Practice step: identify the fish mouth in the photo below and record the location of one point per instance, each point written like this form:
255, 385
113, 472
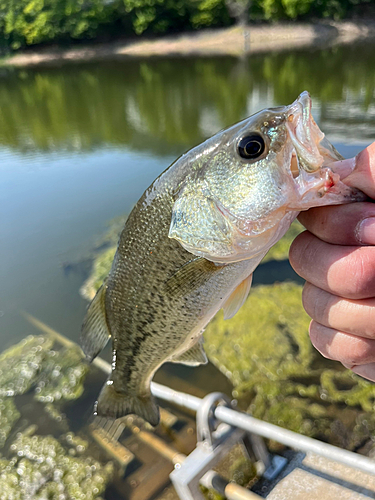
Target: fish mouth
310, 150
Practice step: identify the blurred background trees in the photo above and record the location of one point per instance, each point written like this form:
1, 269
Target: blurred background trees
30, 22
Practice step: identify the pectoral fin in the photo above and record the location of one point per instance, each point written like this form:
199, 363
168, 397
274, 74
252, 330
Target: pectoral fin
237, 298
192, 357
95, 332
190, 276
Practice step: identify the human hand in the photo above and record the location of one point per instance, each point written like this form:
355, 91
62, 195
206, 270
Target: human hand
336, 257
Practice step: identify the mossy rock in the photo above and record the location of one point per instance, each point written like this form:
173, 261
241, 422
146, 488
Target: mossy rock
266, 352
101, 267
43, 467
33, 364
8, 417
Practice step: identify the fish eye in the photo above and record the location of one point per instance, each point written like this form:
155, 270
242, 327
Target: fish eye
251, 147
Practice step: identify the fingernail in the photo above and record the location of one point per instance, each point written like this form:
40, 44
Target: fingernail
366, 231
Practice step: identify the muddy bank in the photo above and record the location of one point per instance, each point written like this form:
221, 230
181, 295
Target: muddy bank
233, 41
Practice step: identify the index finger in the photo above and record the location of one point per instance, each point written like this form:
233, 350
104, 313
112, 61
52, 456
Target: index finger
345, 271
342, 224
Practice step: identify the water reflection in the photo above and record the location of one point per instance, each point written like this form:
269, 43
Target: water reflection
162, 105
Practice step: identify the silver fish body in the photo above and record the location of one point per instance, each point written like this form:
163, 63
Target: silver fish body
192, 241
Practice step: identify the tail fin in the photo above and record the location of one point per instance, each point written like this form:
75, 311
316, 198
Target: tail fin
114, 404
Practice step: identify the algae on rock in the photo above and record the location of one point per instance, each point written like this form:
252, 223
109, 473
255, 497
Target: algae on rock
101, 267
45, 468
266, 352
33, 363
8, 417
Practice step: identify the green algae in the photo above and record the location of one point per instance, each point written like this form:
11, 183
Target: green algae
20, 365
33, 364
101, 266
62, 376
8, 417
43, 467
266, 352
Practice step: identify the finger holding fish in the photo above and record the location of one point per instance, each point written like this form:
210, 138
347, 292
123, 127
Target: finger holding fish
344, 270
339, 293
334, 344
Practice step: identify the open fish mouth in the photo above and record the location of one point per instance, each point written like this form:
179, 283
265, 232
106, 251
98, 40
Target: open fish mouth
310, 150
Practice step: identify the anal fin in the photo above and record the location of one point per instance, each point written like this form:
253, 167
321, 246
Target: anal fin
192, 357
95, 332
237, 298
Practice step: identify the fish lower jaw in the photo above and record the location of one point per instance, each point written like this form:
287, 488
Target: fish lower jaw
321, 189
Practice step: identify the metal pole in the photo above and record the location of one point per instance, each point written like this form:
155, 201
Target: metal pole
269, 431
295, 440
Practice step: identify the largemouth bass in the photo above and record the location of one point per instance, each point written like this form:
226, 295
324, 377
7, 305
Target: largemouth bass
193, 240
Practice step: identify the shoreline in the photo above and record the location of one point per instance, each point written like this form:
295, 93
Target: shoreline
234, 41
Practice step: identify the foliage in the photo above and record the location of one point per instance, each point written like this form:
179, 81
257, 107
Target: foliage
30, 22
292, 9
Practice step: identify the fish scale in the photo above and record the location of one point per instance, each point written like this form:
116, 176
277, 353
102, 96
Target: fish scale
192, 241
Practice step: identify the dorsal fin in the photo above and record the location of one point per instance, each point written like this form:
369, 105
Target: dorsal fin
237, 298
193, 357
95, 332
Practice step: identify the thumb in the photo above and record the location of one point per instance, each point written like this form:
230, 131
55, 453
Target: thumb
360, 170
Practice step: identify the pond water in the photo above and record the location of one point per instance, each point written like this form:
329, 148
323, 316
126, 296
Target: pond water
80, 143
